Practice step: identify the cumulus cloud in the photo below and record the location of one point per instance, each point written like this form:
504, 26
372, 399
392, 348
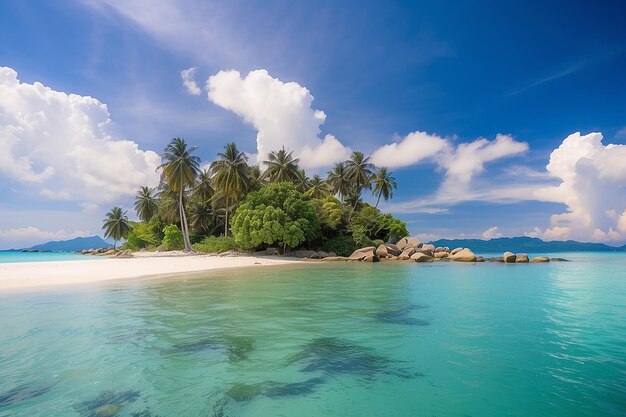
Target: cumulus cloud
189, 81
592, 186
281, 112
491, 233
58, 145
414, 148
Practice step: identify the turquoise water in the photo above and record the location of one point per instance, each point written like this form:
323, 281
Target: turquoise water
394, 339
13, 256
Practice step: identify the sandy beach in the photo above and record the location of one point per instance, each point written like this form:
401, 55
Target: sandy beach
96, 269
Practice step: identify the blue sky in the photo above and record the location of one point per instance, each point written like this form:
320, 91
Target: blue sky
380, 72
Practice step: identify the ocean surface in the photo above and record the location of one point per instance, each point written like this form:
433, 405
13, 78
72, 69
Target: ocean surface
8, 256
393, 339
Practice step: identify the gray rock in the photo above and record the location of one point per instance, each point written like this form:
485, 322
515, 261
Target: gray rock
406, 254
306, 254
371, 258
393, 249
521, 258
381, 251
420, 257
558, 260
509, 257
406, 242
538, 259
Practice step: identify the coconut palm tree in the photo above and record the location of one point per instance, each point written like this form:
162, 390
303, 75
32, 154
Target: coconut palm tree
203, 190
318, 188
302, 181
384, 184
146, 203
338, 180
180, 169
359, 171
230, 177
281, 166
116, 225
201, 215
256, 181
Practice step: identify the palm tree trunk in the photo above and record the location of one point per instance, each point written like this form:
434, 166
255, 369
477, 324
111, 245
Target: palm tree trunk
226, 219
183, 221
378, 199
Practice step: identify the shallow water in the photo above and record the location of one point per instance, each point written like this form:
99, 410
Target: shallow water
16, 256
394, 339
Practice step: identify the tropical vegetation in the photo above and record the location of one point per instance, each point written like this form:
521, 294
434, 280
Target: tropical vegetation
231, 204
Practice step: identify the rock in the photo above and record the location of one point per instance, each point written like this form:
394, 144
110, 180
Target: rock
306, 254
161, 248
322, 254
441, 255
109, 252
558, 260
371, 258
464, 255
124, 254
439, 249
406, 242
406, 254
272, 251
331, 254
366, 249
359, 254
393, 249
381, 251
521, 258
335, 258
427, 252
538, 259
420, 257
107, 410
480, 259
428, 247
509, 257
455, 251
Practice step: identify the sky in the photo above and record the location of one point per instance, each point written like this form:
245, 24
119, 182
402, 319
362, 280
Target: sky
496, 118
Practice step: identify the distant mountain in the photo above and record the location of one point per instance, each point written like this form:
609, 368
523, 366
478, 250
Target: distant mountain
526, 245
78, 243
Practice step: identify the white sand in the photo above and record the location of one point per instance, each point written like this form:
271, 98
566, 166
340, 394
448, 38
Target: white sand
52, 274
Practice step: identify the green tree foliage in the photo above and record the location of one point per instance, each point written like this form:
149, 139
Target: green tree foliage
342, 245
384, 184
173, 238
369, 224
216, 244
318, 188
278, 214
143, 235
116, 225
330, 211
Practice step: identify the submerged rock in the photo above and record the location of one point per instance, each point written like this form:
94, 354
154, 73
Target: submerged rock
558, 260
402, 316
236, 347
107, 404
22, 393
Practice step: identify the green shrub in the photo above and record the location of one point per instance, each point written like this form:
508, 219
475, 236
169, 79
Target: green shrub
342, 245
141, 236
173, 239
214, 244
377, 242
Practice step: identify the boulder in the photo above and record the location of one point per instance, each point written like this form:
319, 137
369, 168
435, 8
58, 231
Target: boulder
366, 249
109, 252
455, 251
428, 246
335, 259
393, 249
331, 254
420, 257
160, 248
381, 251
306, 254
359, 254
509, 257
480, 259
427, 252
464, 255
406, 242
371, 258
323, 254
521, 258
406, 254
440, 255
439, 249
124, 254
538, 259
558, 260
272, 251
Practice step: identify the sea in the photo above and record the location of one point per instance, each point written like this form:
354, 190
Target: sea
325, 339
11, 256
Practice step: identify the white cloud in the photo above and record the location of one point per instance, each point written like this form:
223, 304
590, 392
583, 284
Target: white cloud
593, 187
414, 148
189, 81
491, 233
280, 112
58, 145
30, 235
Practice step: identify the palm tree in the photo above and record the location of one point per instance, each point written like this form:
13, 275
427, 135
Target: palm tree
338, 180
302, 181
201, 215
359, 171
230, 177
203, 191
281, 166
116, 225
318, 188
384, 184
180, 169
146, 203
256, 181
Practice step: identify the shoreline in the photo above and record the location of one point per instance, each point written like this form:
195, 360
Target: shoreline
39, 275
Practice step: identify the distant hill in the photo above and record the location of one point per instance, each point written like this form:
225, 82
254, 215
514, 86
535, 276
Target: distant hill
78, 243
526, 245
